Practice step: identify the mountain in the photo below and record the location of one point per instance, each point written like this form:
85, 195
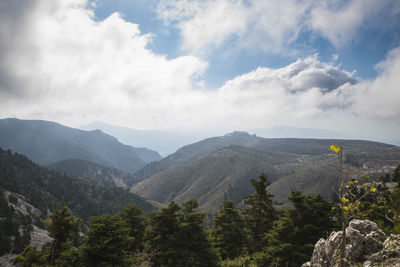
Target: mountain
163, 141
29, 193
48, 189
220, 168
287, 145
45, 142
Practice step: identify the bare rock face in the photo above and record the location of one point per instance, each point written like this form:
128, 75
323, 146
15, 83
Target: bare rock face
6, 260
363, 238
389, 255
40, 237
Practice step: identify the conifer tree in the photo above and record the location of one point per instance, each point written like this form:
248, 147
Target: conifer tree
106, 243
260, 213
137, 225
195, 246
228, 234
163, 235
63, 228
179, 238
291, 240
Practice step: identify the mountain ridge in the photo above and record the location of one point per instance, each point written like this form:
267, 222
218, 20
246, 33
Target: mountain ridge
46, 142
220, 168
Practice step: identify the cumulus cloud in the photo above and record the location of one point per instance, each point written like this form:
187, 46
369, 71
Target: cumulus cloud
59, 59
381, 97
339, 21
301, 89
61, 64
269, 24
272, 25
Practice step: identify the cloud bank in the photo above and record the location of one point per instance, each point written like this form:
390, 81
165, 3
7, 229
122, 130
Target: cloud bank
59, 63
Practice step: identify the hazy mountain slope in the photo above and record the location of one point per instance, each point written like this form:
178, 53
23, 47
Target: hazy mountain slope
163, 141
287, 145
45, 142
47, 190
307, 165
93, 172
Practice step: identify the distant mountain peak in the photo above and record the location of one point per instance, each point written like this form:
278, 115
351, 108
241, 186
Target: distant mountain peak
239, 134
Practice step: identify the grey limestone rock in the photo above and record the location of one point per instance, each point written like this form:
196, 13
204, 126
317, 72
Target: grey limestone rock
363, 238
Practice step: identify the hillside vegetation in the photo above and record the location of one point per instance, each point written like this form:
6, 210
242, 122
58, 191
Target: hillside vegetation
46, 191
93, 172
220, 168
257, 235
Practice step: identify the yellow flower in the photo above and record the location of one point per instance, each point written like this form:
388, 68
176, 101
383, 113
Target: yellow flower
373, 189
336, 148
344, 200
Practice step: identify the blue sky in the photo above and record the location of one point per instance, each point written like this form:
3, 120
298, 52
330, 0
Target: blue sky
367, 47
210, 65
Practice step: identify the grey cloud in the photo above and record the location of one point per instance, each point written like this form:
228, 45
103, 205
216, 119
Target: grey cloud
14, 18
326, 81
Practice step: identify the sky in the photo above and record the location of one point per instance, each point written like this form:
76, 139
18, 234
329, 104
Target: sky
204, 65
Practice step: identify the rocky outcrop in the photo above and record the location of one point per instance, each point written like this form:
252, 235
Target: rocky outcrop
40, 237
6, 260
18, 202
365, 242
389, 255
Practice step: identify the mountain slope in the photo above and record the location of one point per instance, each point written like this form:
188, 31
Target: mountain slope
29, 193
286, 145
223, 175
93, 172
306, 165
47, 189
163, 141
46, 142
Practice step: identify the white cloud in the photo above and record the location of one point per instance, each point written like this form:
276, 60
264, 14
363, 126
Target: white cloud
381, 97
63, 65
271, 26
339, 21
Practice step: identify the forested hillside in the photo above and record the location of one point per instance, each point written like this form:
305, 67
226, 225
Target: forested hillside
47, 190
256, 235
93, 172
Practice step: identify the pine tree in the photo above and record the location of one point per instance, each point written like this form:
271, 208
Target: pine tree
163, 235
179, 238
292, 237
107, 242
228, 234
260, 213
195, 246
137, 225
63, 228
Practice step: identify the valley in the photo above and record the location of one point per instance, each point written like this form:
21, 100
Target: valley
93, 173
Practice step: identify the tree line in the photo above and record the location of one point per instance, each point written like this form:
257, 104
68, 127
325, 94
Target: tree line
257, 235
